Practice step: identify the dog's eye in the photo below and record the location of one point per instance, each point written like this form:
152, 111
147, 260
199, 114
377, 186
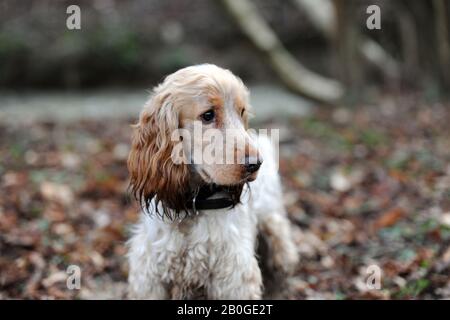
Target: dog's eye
242, 112
208, 116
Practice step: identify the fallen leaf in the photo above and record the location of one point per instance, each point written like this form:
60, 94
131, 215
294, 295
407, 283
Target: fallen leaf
389, 218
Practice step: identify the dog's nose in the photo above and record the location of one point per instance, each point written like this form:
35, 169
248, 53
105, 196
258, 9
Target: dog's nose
252, 164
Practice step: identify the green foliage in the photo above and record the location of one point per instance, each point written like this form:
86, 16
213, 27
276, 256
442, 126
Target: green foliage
372, 138
17, 151
413, 289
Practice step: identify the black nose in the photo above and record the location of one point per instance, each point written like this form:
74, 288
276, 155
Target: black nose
252, 164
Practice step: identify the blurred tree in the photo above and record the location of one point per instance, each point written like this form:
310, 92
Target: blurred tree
346, 40
292, 72
442, 34
323, 17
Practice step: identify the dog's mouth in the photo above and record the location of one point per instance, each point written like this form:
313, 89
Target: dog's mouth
206, 177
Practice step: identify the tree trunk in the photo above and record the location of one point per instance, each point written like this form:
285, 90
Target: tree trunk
443, 47
346, 40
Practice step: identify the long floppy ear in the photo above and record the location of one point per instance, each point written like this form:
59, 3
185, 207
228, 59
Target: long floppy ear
153, 173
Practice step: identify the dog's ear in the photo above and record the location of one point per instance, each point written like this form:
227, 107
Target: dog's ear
153, 172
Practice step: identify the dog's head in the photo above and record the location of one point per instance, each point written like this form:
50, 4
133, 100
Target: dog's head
193, 130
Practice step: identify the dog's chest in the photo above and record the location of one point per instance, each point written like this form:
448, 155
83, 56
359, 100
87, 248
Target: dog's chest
203, 248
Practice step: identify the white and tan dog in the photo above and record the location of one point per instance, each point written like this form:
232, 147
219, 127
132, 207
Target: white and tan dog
197, 234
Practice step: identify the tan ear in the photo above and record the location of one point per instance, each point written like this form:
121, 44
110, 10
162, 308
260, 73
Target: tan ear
153, 173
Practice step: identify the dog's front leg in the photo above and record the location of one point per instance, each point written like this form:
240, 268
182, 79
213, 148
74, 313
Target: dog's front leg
143, 278
282, 256
237, 278
279, 256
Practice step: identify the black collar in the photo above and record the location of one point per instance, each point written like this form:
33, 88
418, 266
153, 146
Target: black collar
210, 197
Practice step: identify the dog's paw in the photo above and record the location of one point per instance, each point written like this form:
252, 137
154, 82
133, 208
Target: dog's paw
286, 258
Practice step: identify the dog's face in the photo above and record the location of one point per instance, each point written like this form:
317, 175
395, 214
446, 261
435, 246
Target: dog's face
217, 143
204, 109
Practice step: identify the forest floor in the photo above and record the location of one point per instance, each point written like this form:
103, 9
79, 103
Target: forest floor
364, 186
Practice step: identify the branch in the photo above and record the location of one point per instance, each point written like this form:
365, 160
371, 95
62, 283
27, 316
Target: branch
322, 16
294, 74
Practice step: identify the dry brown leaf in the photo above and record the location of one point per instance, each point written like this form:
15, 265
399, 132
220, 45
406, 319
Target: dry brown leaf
389, 218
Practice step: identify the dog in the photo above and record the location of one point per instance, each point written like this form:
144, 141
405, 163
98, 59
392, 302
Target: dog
198, 231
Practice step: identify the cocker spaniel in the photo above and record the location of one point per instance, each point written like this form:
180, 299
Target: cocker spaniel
198, 232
